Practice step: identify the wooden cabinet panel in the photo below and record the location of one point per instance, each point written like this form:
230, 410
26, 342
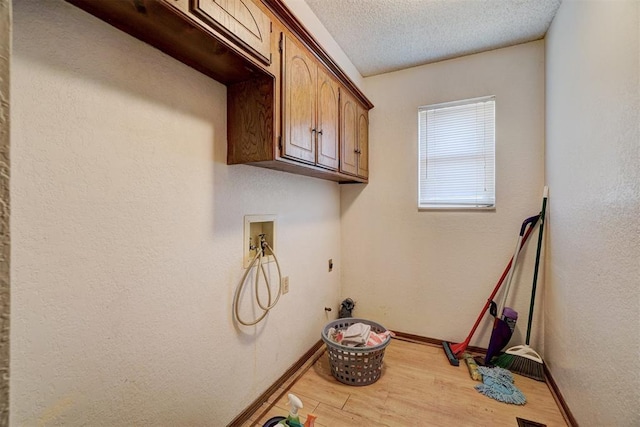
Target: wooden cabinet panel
354, 137
299, 98
348, 134
239, 20
363, 142
250, 120
328, 122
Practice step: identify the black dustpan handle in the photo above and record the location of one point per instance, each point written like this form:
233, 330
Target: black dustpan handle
545, 196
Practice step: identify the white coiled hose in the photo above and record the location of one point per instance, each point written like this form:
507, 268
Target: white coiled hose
259, 268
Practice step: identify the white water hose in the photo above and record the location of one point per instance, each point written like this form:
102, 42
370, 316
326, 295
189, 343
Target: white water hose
259, 268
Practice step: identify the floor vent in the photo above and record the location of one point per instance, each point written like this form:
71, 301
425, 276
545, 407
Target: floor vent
528, 423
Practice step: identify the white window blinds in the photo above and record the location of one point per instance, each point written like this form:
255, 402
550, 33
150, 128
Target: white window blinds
457, 154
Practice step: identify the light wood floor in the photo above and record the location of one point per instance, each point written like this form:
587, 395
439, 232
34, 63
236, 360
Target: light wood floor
418, 387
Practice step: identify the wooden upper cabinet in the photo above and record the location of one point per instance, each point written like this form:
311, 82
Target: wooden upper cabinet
310, 109
348, 134
292, 109
327, 121
299, 103
354, 137
363, 142
239, 20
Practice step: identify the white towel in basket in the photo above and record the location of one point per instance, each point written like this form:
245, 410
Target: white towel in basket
356, 334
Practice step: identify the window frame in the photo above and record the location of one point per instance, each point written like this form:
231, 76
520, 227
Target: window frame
423, 159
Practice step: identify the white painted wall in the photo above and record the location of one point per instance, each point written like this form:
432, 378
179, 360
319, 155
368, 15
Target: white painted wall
127, 233
430, 273
592, 166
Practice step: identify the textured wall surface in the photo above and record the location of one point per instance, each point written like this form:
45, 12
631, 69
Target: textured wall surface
430, 273
5, 48
593, 169
128, 235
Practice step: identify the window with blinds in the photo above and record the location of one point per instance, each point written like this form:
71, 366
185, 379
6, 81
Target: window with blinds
457, 155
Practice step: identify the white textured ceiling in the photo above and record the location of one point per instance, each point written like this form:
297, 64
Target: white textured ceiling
380, 36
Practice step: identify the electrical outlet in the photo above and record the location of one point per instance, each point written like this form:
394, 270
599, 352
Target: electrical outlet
285, 285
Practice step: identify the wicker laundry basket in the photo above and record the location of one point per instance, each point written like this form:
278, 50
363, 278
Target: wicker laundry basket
355, 365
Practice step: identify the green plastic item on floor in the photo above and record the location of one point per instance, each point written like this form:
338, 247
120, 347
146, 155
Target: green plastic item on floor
293, 420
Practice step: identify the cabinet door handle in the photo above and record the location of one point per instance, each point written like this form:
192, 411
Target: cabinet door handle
320, 132
313, 131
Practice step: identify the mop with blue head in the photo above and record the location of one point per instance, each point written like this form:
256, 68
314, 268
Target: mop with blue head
497, 383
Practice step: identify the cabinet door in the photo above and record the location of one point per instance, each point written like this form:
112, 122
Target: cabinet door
363, 142
327, 121
239, 20
299, 99
348, 134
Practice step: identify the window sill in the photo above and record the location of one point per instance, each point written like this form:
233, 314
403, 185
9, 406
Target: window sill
457, 208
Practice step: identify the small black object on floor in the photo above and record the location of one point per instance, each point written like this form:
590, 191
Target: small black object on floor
346, 308
528, 423
480, 361
271, 422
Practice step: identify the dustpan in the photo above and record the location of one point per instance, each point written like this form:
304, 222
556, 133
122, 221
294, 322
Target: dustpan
500, 337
